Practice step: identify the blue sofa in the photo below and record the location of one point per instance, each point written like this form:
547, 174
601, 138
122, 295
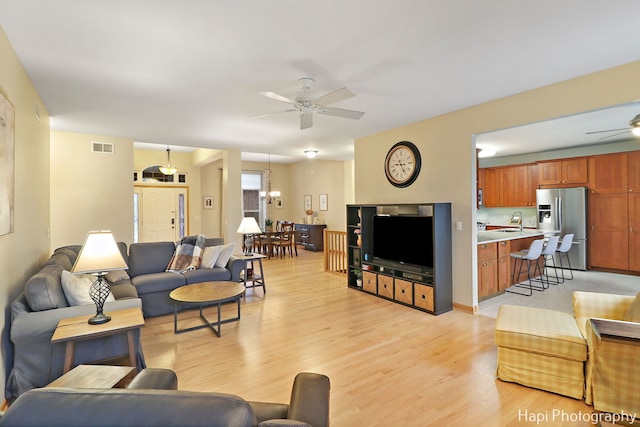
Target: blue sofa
35, 313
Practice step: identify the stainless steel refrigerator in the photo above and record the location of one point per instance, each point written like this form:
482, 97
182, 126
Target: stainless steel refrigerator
564, 210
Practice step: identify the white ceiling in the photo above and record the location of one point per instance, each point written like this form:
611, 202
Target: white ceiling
190, 73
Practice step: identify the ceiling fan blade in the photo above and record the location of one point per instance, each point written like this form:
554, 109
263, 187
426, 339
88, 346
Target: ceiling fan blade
270, 114
608, 130
276, 97
340, 112
306, 120
611, 136
335, 96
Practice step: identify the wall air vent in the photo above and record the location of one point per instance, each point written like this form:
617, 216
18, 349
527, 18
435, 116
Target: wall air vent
102, 147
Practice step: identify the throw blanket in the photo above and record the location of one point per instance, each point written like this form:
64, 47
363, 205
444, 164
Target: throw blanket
188, 254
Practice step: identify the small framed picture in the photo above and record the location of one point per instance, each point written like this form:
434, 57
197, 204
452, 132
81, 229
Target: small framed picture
278, 202
324, 202
307, 202
207, 202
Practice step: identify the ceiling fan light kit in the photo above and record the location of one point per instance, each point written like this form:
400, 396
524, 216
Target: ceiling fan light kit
634, 127
305, 104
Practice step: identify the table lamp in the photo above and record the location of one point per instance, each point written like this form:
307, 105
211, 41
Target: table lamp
248, 227
99, 255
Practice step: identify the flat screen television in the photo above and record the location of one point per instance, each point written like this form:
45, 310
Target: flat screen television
403, 239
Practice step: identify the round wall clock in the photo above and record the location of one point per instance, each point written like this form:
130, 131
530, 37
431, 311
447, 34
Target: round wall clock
402, 164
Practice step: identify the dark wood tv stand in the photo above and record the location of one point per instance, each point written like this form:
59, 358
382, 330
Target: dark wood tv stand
424, 288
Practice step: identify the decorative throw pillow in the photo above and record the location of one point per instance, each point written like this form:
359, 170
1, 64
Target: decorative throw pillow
633, 313
210, 256
225, 254
116, 275
76, 288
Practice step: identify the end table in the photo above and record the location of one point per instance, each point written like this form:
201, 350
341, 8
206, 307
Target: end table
75, 329
257, 280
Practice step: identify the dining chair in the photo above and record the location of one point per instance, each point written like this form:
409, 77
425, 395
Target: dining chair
287, 240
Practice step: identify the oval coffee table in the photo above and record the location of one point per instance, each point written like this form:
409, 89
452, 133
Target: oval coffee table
203, 294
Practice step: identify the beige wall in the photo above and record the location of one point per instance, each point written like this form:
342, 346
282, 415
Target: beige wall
448, 149
23, 251
90, 191
314, 177
294, 181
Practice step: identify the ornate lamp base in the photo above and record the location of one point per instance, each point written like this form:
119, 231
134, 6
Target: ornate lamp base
99, 291
99, 319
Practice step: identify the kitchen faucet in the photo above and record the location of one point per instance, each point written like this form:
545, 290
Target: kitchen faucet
516, 218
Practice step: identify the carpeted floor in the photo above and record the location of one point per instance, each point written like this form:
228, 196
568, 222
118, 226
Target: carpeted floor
558, 297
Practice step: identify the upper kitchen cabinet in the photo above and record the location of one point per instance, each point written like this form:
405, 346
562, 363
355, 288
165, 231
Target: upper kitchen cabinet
499, 189
510, 186
563, 172
633, 171
608, 173
525, 183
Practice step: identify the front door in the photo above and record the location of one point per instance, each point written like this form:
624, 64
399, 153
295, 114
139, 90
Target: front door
163, 212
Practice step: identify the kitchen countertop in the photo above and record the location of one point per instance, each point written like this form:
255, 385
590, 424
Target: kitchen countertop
498, 235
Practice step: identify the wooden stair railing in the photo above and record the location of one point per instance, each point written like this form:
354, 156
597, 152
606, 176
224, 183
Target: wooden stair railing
335, 251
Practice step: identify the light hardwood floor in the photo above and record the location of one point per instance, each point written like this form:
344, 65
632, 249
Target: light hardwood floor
389, 365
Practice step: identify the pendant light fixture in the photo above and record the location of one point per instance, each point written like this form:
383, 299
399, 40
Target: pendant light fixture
168, 170
269, 195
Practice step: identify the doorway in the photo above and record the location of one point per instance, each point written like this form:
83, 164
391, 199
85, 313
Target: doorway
160, 213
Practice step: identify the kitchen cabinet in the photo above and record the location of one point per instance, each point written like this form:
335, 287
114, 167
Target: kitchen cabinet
487, 270
634, 231
504, 271
608, 173
509, 186
491, 189
494, 271
633, 171
609, 231
563, 172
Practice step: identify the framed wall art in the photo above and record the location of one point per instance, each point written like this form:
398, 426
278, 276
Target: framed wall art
307, 202
7, 164
207, 202
324, 202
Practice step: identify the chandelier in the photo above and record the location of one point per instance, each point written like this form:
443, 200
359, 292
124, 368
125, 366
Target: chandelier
269, 195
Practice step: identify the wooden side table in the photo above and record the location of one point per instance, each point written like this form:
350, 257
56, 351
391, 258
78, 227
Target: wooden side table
75, 329
257, 280
95, 376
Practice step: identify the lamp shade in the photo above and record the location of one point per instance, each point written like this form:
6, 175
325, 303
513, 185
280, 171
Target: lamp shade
249, 226
99, 253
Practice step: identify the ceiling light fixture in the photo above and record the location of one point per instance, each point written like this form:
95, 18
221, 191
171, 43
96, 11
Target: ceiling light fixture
635, 125
168, 170
311, 153
486, 153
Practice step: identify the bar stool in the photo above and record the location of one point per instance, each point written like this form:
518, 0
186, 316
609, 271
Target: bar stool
548, 253
563, 249
529, 256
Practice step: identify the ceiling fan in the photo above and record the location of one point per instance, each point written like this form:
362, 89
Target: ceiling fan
634, 127
306, 104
